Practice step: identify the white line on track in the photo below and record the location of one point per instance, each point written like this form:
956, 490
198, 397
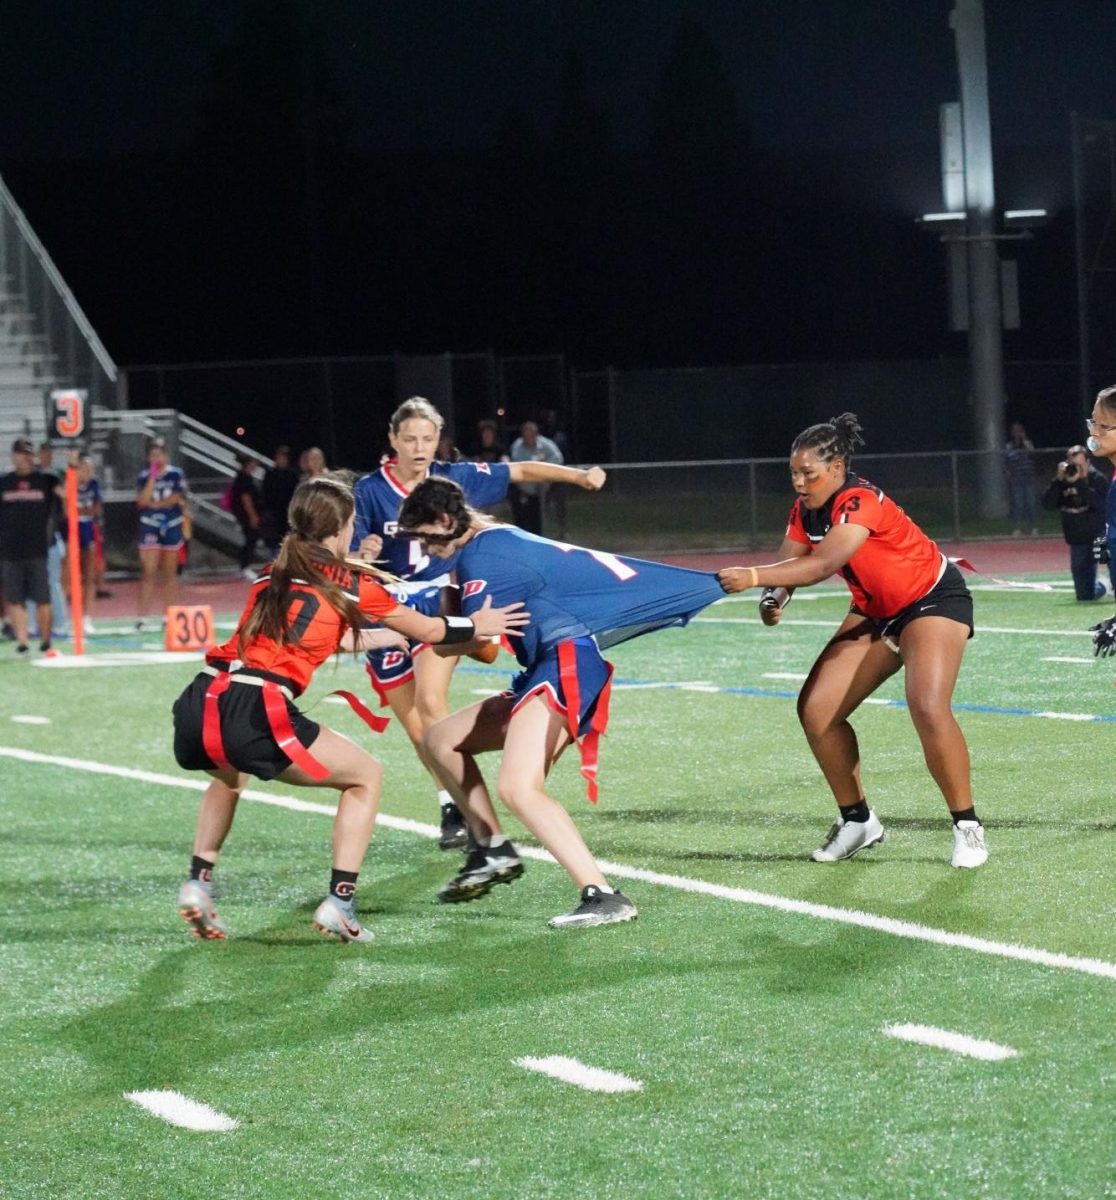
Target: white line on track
29, 719
822, 912
795, 676
569, 1070
945, 1039
180, 1110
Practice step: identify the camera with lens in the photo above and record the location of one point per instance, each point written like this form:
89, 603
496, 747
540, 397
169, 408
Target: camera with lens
1069, 470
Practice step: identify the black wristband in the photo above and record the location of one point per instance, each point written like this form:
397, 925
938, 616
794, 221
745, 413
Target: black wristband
458, 629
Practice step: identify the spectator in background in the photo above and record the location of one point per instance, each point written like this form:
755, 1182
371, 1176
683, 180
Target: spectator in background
247, 507
279, 483
555, 498
488, 447
57, 550
527, 498
1019, 466
28, 497
313, 463
1079, 491
446, 451
161, 500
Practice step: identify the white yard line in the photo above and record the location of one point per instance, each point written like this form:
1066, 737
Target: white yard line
946, 1039
569, 1070
180, 1110
981, 629
1078, 661
822, 912
29, 719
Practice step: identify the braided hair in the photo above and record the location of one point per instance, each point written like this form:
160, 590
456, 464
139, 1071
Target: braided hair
835, 438
319, 508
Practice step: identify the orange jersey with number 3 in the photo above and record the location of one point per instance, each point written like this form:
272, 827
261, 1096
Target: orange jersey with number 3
897, 565
317, 625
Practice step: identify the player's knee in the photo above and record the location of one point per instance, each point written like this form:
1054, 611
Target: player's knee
814, 717
431, 710
437, 741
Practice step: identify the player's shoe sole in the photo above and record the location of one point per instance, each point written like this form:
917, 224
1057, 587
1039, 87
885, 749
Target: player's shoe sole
196, 909
471, 886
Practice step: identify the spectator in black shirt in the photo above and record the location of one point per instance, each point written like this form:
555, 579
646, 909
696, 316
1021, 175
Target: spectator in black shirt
27, 505
247, 507
1079, 490
279, 483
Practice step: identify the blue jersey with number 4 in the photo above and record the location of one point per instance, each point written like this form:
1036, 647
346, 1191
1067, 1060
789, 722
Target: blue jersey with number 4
379, 496
572, 592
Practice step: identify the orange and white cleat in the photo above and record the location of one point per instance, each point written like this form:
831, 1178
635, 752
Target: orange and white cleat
195, 903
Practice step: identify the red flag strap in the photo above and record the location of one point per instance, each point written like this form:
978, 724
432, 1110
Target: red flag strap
275, 705
1008, 583
211, 723
589, 745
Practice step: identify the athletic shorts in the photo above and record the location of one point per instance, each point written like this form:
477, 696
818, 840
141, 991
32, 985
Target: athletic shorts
543, 678
25, 579
949, 597
250, 745
157, 532
389, 667
87, 535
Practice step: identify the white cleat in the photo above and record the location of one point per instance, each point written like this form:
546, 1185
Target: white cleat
336, 918
969, 847
847, 838
195, 906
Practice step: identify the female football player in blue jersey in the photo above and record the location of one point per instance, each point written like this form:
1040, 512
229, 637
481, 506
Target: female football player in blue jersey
416, 683
580, 601
162, 495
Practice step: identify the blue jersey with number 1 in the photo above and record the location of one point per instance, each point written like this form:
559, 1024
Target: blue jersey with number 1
572, 592
379, 496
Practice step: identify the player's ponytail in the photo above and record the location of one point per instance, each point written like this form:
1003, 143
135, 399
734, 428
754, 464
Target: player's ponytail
318, 509
836, 438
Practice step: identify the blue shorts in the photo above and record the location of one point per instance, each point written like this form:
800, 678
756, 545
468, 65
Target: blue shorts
86, 534
543, 678
390, 668
159, 532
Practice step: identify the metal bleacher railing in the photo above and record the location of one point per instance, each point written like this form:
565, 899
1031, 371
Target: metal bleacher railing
46, 341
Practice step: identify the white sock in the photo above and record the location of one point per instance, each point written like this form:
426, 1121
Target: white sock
606, 889
490, 843
444, 797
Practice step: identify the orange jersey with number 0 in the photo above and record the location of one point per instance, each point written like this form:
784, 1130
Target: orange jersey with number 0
897, 565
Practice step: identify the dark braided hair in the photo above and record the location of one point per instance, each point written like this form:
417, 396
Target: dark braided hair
432, 500
835, 438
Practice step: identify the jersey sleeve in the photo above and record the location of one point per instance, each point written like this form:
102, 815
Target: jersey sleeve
859, 506
796, 532
373, 600
482, 483
362, 496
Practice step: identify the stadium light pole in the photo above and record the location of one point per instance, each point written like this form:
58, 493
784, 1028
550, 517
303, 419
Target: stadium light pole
986, 355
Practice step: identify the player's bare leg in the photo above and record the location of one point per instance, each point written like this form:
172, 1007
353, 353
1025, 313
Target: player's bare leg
215, 818
417, 705
851, 667
149, 569
358, 777
452, 746
932, 651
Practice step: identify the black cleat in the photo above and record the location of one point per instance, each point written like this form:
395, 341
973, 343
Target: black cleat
483, 869
455, 833
597, 908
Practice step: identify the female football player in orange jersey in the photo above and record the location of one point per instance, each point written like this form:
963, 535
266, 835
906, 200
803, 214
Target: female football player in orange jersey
238, 718
910, 609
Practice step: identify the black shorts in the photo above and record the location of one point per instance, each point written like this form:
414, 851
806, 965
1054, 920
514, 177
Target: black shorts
249, 743
24, 579
949, 598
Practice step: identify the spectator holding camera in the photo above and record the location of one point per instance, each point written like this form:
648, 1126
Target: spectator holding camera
1079, 491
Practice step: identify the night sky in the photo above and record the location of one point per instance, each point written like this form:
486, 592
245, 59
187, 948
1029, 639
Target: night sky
628, 183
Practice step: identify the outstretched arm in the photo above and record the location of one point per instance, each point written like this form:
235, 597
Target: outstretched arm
803, 568
592, 479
